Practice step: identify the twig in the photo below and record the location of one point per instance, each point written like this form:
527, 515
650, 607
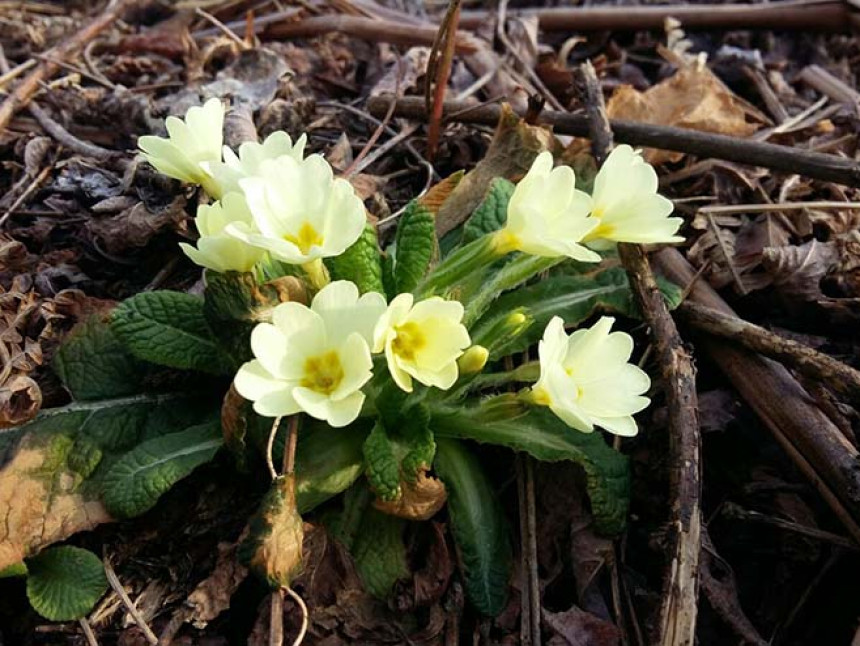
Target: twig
820, 79
114, 582
37, 181
679, 607
730, 510
728, 257
824, 15
371, 29
270, 446
807, 434
16, 71
63, 52
781, 630
67, 139
743, 151
438, 71
276, 618
838, 376
290, 445
531, 549
728, 209
220, 26
89, 635
525, 589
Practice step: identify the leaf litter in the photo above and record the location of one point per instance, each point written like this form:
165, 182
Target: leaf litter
91, 233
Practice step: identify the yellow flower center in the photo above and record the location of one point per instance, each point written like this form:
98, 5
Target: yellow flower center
408, 341
306, 237
505, 242
323, 373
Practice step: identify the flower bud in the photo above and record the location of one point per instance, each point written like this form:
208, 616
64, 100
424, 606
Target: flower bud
473, 360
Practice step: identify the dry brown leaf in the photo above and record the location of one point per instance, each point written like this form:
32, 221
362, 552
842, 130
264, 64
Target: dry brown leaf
420, 500
20, 400
692, 98
40, 505
212, 596
511, 153
797, 271
575, 627
135, 226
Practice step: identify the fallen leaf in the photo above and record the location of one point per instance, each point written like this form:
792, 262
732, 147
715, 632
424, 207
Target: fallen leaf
575, 627
420, 500
212, 596
692, 98
797, 270
20, 400
430, 582
135, 226
252, 79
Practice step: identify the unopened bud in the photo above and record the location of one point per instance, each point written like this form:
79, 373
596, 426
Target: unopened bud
473, 360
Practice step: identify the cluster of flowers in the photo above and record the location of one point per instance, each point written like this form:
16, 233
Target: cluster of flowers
271, 199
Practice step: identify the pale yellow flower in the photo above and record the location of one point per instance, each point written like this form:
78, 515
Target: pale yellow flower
302, 213
626, 204
547, 215
422, 341
313, 359
251, 156
216, 250
191, 144
586, 380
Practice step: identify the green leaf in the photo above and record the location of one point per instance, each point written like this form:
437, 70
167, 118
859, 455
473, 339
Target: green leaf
170, 329
93, 363
16, 569
397, 449
360, 264
65, 583
492, 213
272, 548
415, 246
328, 461
573, 298
506, 422
136, 481
379, 552
478, 525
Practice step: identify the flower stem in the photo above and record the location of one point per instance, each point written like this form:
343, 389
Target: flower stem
462, 264
317, 273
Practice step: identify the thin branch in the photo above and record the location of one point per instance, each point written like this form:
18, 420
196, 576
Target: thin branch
270, 447
702, 144
89, 635
276, 618
679, 607
303, 630
115, 583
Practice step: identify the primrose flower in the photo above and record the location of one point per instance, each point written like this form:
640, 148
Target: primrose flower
585, 378
422, 340
547, 215
215, 249
190, 144
251, 155
626, 203
301, 211
313, 359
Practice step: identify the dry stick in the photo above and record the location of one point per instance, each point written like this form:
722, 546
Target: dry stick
438, 71
838, 376
115, 583
67, 139
372, 29
678, 611
808, 435
89, 635
739, 513
531, 547
827, 15
48, 67
820, 79
702, 144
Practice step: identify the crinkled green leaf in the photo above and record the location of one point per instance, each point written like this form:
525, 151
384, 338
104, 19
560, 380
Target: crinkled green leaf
361, 263
478, 525
94, 364
379, 552
492, 213
17, 569
136, 481
328, 461
170, 329
65, 583
272, 548
415, 247
398, 447
506, 422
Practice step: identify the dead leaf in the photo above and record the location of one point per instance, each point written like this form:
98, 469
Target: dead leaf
252, 79
168, 38
40, 504
212, 596
575, 627
402, 77
692, 98
511, 153
420, 500
136, 226
430, 582
273, 546
797, 271
20, 400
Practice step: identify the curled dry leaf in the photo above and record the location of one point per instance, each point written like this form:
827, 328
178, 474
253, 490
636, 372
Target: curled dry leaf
212, 596
797, 271
420, 500
692, 98
272, 548
20, 400
39, 503
135, 226
575, 627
